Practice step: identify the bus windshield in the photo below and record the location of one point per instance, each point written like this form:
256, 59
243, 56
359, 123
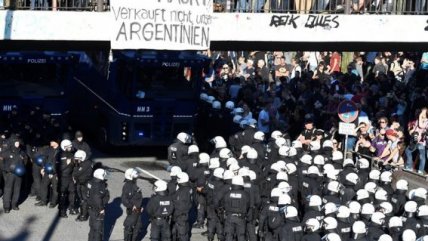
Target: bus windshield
152, 82
31, 80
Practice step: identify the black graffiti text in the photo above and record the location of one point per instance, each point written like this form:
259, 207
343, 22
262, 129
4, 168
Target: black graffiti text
284, 20
324, 21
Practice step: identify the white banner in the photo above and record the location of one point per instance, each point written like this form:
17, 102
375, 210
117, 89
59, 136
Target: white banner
347, 129
161, 24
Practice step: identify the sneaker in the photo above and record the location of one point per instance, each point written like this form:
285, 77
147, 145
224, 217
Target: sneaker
423, 173
41, 203
198, 225
204, 233
63, 215
16, 208
52, 205
82, 218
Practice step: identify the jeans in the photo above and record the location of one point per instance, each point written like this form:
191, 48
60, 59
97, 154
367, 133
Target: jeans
420, 6
422, 157
41, 4
242, 6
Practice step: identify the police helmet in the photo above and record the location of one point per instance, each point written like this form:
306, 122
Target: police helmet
259, 136
381, 195
402, 185
386, 208
281, 165
313, 170
328, 168
252, 154
327, 144
230, 161
214, 163
230, 105
329, 223
314, 201
312, 224
244, 172
219, 142
100, 174
245, 149
65, 144
333, 174
160, 186
337, 156
228, 175
292, 152
290, 212
19, 170
291, 168
297, 144
174, 171
283, 151
284, 187
423, 211
192, 149
276, 192
182, 177
423, 238
216, 105
225, 153
421, 193
385, 237
39, 160
275, 166
218, 172
378, 218
354, 207
410, 207
184, 137
409, 235
352, 178
359, 227
367, 209
363, 163
395, 222
237, 119
343, 212
371, 187
234, 167
284, 199
252, 174
49, 168
374, 175
386, 176
362, 194
80, 155
276, 134
282, 176
280, 141
204, 158
131, 173
330, 208
348, 162
306, 159
238, 181
331, 237
319, 160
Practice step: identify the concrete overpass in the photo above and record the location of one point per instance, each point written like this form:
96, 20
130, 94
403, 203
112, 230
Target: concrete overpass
238, 31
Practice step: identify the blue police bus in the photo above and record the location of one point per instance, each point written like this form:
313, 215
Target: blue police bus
35, 79
137, 97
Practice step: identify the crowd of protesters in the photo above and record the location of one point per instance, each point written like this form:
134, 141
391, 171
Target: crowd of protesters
283, 89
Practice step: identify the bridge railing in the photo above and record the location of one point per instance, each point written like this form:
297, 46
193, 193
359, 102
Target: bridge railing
396, 7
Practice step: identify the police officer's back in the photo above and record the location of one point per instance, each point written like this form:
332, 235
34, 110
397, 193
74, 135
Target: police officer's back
80, 144
177, 151
132, 199
98, 197
292, 229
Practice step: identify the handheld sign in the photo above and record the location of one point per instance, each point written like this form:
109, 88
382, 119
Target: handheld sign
347, 111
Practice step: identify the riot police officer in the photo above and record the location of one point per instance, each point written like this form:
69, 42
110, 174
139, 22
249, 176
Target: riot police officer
213, 186
132, 199
14, 168
292, 229
399, 198
67, 187
236, 204
98, 197
183, 202
80, 144
82, 173
160, 208
177, 151
172, 184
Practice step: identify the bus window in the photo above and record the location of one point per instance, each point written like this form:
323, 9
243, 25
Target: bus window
41, 80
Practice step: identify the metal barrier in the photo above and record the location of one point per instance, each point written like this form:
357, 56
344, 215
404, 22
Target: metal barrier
411, 7
56, 5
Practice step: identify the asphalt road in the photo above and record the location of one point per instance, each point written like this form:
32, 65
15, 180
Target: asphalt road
33, 223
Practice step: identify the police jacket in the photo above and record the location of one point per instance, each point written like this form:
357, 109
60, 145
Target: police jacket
311, 186
131, 195
291, 231
236, 202
177, 153
212, 188
374, 232
247, 136
344, 228
82, 172
221, 193
183, 200
98, 194
191, 162
315, 236
312, 213
13, 157
172, 186
271, 217
395, 233
413, 224
160, 205
82, 145
66, 170
398, 200
53, 158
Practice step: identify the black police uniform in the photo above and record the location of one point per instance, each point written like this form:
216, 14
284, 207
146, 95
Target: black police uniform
247, 136
53, 155
374, 231
132, 199
398, 200
214, 225
236, 204
12, 186
82, 145
344, 228
311, 236
67, 188
98, 197
172, 186
255, 202
201, 174
183, 202
82, 173
270, 220
160, 208
36, 173
291, 230
177, 153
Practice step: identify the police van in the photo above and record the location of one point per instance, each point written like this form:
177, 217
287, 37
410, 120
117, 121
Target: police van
137, 97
